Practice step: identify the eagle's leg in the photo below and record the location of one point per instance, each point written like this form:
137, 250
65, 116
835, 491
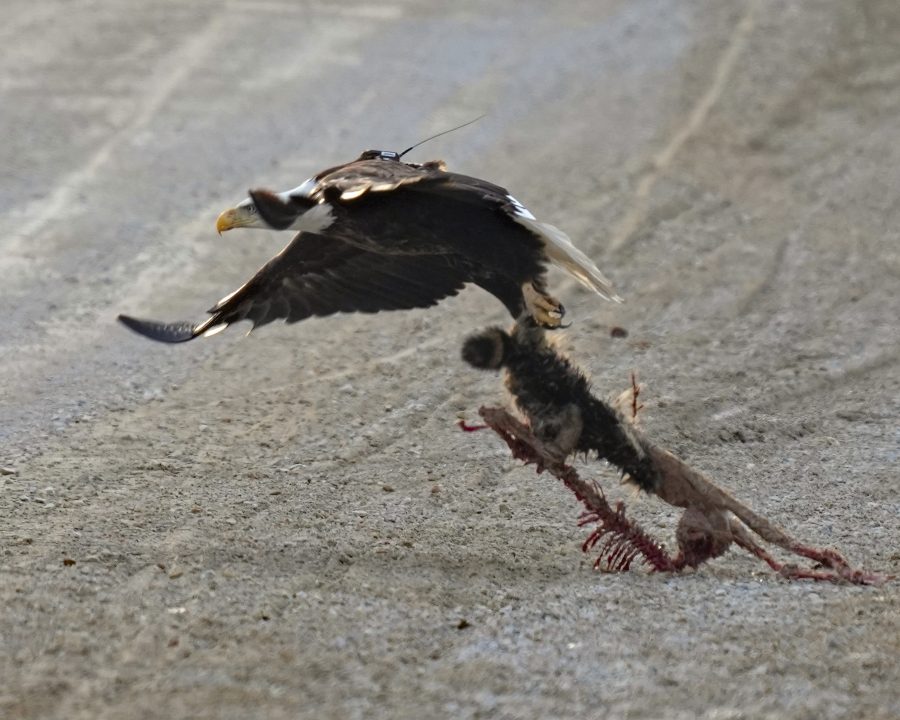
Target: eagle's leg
530, 297
546, 310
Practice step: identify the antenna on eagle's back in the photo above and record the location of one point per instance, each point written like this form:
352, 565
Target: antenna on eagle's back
422, 142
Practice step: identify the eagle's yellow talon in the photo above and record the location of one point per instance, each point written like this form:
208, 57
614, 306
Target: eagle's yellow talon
546, 310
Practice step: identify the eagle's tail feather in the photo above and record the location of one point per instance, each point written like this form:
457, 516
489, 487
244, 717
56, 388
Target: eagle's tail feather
565, 255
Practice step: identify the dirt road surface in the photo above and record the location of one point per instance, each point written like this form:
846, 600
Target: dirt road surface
289, 525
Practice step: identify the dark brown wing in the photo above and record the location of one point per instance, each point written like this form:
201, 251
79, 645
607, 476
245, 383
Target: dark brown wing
424, 208
315, 275
355, 179
346, 183
474, 191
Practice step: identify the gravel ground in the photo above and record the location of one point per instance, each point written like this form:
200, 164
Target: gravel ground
289, 525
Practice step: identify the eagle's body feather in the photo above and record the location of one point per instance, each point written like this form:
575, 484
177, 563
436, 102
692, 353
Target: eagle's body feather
378, 234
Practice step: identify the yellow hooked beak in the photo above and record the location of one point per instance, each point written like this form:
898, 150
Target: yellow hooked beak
237, 217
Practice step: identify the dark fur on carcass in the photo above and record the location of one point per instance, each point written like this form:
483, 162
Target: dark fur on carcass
556, 398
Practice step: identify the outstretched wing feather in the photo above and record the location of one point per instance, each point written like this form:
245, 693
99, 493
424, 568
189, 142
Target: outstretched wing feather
316, 275
319, 276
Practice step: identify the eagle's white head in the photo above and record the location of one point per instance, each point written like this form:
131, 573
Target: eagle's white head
242, 215
290, 210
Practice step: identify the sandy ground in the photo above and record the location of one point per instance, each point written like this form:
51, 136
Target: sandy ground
289, 525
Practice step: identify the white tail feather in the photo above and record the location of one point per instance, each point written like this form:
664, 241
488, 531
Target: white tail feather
565, 255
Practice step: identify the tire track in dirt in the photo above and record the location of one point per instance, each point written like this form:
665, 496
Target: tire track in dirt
661, 161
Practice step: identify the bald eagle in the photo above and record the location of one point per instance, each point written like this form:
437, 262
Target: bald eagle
381, 234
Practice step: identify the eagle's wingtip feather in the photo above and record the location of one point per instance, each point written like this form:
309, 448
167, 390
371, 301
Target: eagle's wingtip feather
175, 332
